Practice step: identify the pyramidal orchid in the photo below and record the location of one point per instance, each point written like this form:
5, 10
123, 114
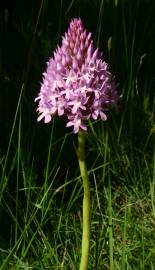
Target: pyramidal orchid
78, 86
77, 83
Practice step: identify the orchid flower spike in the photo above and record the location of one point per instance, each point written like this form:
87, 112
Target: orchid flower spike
77, 83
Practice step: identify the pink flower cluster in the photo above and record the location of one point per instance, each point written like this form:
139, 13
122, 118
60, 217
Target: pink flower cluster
77, 83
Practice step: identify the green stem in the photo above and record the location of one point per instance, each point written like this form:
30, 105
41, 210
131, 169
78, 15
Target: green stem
86, 202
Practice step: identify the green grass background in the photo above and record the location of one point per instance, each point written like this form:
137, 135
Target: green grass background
40, 188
